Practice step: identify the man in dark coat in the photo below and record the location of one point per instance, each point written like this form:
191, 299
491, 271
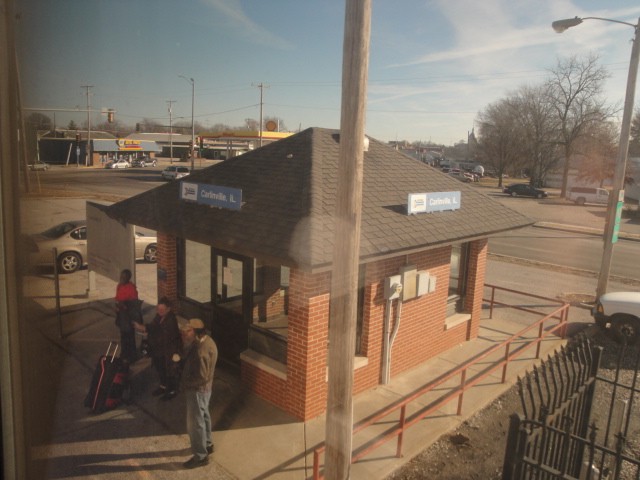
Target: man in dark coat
163, 337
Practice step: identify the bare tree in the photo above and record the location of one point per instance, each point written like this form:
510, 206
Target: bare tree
538, 127
116, 128
38, 121
575, 93
219, 127
184, 126
634, 143
498, 139
596, 153
251, 124
148, 125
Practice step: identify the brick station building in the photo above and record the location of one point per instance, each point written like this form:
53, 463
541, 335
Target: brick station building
247, 245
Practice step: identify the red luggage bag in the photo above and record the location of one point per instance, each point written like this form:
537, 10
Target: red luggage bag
110, 379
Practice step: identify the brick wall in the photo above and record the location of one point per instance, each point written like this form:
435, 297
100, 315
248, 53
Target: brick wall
265, 385
422, 333
167, 264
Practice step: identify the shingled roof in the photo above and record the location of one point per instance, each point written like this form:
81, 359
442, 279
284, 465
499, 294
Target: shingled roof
288, 201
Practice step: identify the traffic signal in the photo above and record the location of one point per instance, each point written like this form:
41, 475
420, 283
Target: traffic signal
77, 137
137, 127
110, 116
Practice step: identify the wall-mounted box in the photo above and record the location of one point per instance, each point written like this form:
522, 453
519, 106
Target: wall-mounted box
425, 283
408, 274
392, 287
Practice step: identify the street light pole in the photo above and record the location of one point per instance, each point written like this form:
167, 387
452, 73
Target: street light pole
193, 132
170, 102
616, 199
88, 152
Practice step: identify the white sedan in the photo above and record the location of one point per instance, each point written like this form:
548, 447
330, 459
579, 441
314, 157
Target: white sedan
70, 239
122, 163
174, 172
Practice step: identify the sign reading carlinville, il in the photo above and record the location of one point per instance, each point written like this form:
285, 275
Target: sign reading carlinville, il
213, 195
432, 202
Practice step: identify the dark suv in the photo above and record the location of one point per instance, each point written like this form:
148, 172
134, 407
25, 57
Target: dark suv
524, 190
143, 162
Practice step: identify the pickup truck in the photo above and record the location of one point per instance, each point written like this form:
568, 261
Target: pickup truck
620, 313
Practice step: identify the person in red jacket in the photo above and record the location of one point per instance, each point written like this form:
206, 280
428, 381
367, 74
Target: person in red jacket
127, 312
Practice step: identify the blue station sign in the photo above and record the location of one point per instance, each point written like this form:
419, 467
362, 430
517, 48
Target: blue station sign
433, 202
212, 195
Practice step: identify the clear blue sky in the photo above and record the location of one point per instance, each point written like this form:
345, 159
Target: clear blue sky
434, 64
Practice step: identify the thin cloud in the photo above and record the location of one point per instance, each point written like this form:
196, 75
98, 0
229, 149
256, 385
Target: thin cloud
508, 42
245, 26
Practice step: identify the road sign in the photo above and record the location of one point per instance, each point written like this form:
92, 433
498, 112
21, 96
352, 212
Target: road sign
616, 225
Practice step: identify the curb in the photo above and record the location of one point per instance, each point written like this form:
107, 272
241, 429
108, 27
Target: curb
586, 230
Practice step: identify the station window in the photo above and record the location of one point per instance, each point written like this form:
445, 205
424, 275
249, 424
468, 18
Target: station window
458, 278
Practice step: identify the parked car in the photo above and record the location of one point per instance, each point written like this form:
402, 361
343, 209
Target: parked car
620, 313
70, 239
174, 172
39, 166
582, 195
143, 162
122, 163
462, 176
146, 247
524, 190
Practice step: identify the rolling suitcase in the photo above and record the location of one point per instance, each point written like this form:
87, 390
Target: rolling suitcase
109, 381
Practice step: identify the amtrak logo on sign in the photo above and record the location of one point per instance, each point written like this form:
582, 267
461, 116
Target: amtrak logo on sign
189, 191
433, 202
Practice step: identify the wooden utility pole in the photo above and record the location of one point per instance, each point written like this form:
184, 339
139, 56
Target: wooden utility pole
344, 277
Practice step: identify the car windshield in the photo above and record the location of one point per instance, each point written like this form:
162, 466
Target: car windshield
59, 230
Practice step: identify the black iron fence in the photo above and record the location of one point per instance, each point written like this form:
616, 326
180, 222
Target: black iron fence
577, 422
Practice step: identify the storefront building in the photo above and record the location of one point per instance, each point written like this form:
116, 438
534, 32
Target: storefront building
108, 150
246, 245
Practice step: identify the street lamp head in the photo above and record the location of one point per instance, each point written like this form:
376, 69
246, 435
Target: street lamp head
188, 79
560, 26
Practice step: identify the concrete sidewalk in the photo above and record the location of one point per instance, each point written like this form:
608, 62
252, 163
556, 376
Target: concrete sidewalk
253, 439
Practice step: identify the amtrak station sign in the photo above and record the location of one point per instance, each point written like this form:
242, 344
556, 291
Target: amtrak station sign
212, 195
432, 202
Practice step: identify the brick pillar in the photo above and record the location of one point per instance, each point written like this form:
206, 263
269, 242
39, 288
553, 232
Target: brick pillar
167, 266
307, 343
475, 284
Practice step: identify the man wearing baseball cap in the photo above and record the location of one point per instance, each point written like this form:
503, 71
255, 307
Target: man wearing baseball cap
200, 356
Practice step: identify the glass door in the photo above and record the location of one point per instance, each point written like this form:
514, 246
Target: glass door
233, 280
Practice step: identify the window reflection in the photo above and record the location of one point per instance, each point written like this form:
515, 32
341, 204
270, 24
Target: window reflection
197, 271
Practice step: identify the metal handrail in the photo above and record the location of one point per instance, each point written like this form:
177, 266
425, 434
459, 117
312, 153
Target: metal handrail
561, 314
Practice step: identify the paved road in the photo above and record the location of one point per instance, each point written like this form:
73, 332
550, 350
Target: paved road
575, 250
